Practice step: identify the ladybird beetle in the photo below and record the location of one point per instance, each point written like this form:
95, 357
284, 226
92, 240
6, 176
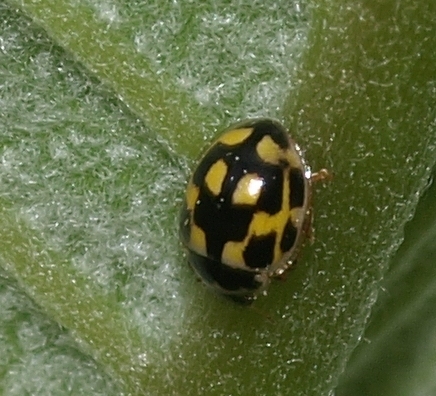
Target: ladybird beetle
247, 209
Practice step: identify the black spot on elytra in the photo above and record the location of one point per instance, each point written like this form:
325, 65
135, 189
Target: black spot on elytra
296, 188
288, 238
271, 197
259, 253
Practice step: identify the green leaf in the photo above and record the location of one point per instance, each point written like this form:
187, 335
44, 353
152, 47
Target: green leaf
89, 193
397, 355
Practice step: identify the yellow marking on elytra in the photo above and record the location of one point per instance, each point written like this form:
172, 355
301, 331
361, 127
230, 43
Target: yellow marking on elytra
269, 151
248, 189
263, 223
198, 240
192, 192
235, 136
215, 176
232, 254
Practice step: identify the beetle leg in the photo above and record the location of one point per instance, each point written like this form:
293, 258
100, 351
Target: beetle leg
321, 175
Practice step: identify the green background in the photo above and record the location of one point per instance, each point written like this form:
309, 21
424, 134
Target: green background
105, 106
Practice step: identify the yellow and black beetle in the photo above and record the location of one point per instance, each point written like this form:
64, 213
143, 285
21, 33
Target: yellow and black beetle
247, 209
